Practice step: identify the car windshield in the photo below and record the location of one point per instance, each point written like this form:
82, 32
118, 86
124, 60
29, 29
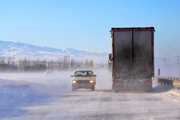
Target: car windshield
83, 73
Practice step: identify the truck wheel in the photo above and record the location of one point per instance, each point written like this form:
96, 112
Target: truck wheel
116, 89
73, 89
93, 88
113, 86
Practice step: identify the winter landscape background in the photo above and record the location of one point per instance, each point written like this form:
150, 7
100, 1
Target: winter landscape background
23, 50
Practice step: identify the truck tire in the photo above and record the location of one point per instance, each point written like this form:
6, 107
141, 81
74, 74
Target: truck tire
116, 89
93, 88
73, 89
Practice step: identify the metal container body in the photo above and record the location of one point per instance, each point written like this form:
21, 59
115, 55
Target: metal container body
132, 58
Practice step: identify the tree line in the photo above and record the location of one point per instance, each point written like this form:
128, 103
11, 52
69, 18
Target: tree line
25, 64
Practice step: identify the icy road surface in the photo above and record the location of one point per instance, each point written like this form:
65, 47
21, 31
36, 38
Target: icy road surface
105, 105
102, 104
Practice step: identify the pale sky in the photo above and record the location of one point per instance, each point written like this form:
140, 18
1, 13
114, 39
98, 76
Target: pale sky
85, 24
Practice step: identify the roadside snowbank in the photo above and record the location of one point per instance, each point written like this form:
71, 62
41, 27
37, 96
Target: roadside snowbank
14, 97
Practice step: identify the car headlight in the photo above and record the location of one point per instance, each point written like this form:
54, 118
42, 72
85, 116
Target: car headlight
91, 81
74, 81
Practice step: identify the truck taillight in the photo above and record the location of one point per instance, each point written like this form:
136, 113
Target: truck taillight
91, 81
74, 81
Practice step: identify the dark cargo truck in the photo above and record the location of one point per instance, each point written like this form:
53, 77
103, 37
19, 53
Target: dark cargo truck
132, 58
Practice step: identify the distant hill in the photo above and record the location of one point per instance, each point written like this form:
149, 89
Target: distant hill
22, 50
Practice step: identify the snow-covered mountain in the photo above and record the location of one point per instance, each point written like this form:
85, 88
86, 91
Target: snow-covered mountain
22, 50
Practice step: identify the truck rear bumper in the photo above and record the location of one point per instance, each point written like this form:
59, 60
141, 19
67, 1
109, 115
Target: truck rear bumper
132, 89
134, 85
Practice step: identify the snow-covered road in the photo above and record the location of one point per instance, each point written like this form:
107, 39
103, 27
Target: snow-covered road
106, 105
102, 104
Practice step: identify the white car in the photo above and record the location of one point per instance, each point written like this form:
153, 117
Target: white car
83, 79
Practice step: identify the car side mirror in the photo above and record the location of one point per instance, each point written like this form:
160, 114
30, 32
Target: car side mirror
71, 75
94, 75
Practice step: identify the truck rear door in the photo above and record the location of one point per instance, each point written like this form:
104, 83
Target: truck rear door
122, 52
143, 52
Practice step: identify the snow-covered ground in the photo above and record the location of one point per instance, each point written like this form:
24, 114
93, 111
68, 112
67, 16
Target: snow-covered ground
41, 96
15, 97
168, 68
19, 90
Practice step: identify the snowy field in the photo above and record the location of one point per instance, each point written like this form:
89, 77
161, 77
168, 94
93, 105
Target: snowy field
45, 96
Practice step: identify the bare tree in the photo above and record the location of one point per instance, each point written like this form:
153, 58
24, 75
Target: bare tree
72, 62
2, 60
91, 64
65, 62
87, 63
